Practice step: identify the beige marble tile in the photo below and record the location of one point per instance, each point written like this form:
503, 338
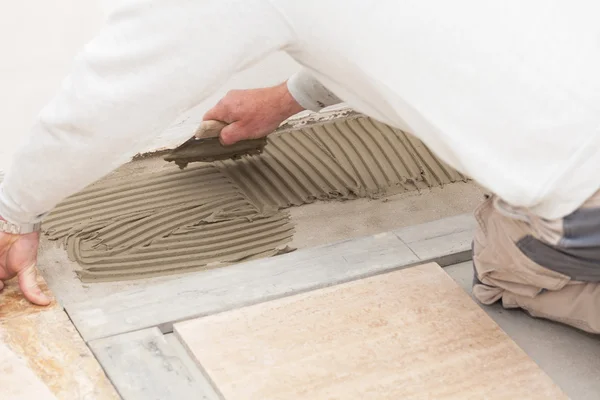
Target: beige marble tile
13, 303
49, 349
410, 334
54, 351
17, 381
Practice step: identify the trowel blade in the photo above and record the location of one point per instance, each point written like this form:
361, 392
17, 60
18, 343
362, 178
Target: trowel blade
210, 149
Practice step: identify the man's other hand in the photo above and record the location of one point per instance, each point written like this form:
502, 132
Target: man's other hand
18, 257
253, 113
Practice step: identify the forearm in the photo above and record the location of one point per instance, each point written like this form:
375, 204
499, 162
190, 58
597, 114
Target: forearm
309, 92
154, 60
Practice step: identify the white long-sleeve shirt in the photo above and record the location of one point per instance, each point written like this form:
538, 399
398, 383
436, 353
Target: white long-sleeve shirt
507, 92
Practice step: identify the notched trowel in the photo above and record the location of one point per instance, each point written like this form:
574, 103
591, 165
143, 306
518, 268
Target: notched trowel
205, 146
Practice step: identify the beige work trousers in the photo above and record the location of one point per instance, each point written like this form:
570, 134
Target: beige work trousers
503, 272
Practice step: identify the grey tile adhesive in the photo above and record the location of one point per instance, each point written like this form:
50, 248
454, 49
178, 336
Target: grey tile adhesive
210, 215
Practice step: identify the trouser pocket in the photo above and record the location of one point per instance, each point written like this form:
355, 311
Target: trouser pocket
499, 263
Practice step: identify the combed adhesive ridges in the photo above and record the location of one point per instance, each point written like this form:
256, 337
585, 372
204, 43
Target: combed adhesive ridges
210, 215
170, 222
340, 159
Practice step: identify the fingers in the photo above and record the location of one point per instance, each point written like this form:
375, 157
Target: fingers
30, 288
1, 285
233, 133
251, 113
217, 113
20, 255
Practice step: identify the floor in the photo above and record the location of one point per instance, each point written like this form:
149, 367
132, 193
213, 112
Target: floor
328, 222
42, 355
570, 357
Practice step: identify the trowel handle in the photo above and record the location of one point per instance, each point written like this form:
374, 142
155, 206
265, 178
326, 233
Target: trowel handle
209, 129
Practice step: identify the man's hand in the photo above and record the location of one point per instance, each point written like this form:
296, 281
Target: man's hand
18, 257
253, 113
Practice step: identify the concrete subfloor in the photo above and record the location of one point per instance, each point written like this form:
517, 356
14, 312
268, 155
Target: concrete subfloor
326, 222
570, 357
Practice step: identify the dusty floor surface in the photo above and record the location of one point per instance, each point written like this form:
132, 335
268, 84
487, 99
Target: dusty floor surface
570, 357
326, 222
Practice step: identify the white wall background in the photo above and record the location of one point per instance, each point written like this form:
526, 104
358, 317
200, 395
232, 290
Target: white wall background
38, 40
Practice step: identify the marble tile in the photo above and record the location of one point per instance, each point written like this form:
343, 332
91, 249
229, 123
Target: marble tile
409, 334
14, 305
51, 347
17, 381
